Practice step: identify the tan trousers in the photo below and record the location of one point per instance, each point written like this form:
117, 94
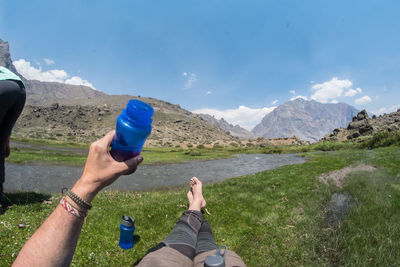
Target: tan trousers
167, 257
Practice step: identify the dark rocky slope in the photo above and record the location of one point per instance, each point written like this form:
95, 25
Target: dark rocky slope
362, 126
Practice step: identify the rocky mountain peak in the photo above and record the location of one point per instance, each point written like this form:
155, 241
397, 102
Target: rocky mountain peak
361, 115
5, 57
309, 120
234, 130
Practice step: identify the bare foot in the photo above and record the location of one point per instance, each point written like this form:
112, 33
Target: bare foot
195, 195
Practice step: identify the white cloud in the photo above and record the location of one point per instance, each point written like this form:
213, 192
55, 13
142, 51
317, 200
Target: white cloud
191, 79
383, 110
294, 97
48, 61
334, 101
352, 92
208, 93
274, 102
363, 100
31, 73
244, 116
75, 80
297, 97
330, 90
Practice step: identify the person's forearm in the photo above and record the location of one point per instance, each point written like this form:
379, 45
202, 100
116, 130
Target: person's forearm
54, 243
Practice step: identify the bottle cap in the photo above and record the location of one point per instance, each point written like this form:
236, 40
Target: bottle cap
139, 111
127, 221
216, 260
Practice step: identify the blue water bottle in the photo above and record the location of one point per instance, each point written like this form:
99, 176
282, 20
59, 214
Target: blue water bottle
127, 228
133, 128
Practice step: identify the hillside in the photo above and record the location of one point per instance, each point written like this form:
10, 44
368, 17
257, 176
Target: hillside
79, 113
172, 126
308, 120
362, 125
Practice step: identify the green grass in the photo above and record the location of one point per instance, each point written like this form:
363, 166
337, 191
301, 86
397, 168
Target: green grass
151, 156
270, 218
47, 142
44, 152
171, 155
27, 155
383, 139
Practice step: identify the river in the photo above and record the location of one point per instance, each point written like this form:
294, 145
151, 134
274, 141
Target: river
52, 178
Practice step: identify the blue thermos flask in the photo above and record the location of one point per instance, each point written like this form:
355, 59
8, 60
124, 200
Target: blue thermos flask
132, 129
127, 228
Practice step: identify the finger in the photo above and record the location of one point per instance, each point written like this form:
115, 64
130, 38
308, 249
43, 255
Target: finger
129, 166
108, 138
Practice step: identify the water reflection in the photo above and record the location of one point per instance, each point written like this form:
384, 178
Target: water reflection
50, 179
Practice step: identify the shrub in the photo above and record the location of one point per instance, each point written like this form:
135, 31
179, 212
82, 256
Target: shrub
382, 139
272, 150
234, 144
217, 146
325, 146
193, 153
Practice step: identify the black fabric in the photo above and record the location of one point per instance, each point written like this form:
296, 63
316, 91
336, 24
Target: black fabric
2, 172
183, 236
12, 101
193, 219
190, 236
205, 239
155, 248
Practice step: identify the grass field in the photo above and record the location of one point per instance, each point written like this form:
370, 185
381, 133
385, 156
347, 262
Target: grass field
51, 152
151, 155
271, 218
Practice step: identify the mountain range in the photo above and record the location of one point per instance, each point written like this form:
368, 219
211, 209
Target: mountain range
80, 113
308, 120
234, 130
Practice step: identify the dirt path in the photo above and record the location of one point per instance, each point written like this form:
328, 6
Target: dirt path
337, 177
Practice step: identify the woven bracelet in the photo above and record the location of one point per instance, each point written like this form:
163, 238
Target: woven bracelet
71, 209
79, 201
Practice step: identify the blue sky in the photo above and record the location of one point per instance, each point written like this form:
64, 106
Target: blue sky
236, 59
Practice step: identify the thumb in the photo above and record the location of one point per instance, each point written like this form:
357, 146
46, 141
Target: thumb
130, 165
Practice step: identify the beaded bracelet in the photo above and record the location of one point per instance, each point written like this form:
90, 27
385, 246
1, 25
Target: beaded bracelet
79, 201
71, 209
